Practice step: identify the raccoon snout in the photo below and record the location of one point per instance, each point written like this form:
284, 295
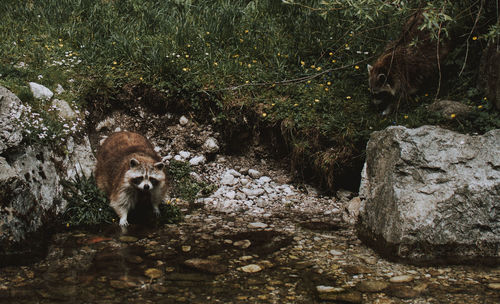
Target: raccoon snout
146, 187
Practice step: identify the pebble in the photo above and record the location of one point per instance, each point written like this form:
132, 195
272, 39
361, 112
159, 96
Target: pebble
39, 91
230, 194
252, 268
494, 286
211, 145
117, 284
228, 179
153, 273
253, 192
372, 286
197, 160
185, 154
210, 266
243, 244
336, 252
128, 239
264, 180
254, 173
186, 248
257, 225
401, 279
183, 120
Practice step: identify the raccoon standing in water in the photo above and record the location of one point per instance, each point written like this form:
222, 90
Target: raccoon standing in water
128, 170
407, 63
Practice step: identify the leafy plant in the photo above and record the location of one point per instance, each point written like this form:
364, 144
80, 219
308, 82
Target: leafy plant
87, 204
184, 186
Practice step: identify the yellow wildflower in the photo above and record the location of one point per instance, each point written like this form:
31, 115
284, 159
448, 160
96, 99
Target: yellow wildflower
480, 107
333, 61
406, 116
246, 31
474, 38
356, 67
302, 63
295, 104
331, 53
264, 114
329, 83
316, 100
348, 97
327, 89
453, 115
313, 66
318, 69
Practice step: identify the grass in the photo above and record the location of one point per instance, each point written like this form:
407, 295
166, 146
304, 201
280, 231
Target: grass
298, 68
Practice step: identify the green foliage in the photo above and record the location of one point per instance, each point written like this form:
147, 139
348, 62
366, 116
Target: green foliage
296, 63
87, 204
183, 185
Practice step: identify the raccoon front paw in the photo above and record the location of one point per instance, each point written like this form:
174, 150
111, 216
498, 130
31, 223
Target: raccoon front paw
123, 222
156, 210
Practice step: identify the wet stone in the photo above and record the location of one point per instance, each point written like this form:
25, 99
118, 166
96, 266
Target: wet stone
257, 225
372, 286
210, 266
356, 269
401, 279
328, 293
403, 292
252, 268
494, 286
128, 239
153, 273
243, 244
135, 259
117, 284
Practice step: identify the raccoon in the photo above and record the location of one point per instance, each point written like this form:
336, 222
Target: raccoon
128, 170
407, 63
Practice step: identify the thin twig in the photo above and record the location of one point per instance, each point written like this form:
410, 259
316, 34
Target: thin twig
287, 81
468, 38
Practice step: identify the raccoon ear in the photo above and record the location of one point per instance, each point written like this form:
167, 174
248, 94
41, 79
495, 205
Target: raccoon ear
369, 68
159, 166
134, 163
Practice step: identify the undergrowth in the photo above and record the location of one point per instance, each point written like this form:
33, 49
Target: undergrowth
183, 185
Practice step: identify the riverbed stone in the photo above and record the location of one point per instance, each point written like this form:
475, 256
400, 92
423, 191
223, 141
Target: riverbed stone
206, 265
429, 194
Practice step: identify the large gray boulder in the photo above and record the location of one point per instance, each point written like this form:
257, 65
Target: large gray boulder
30, 178
432, 195
10, 113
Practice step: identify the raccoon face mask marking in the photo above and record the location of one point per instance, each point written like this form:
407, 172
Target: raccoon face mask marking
145, 176
379, 81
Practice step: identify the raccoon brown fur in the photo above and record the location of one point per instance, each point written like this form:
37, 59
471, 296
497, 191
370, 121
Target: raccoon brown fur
128, 170
407, 63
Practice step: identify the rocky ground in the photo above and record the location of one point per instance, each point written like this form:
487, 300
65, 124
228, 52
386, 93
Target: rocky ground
256, 239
